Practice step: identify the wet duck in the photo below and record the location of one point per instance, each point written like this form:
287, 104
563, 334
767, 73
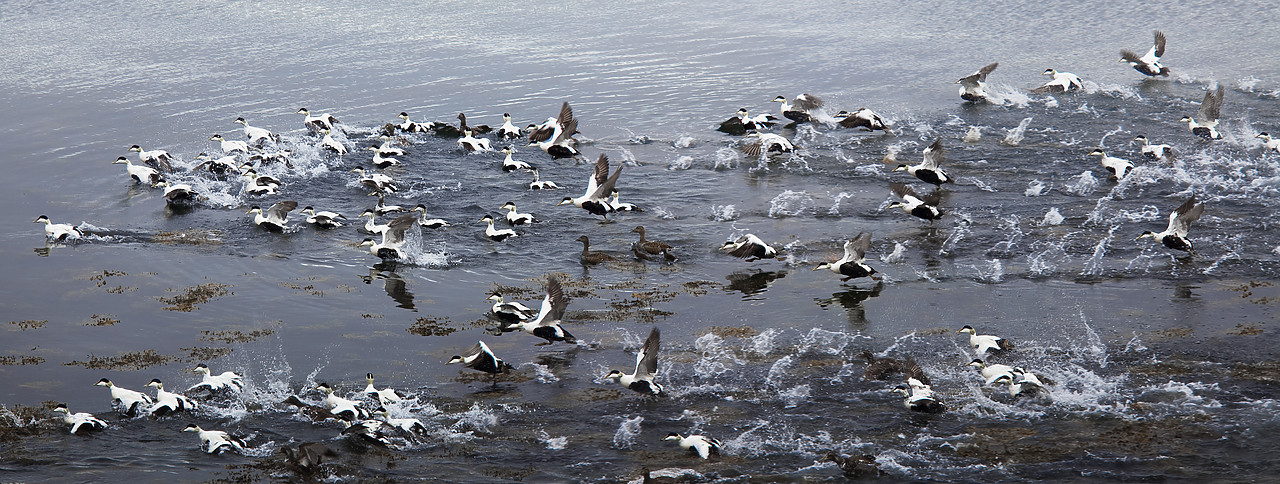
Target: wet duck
227, 380
1175, 236
1021, 382
1062, 82
749, 247
127, 400
1148, 64
384, 396
380, 161
918, 394
341, 407
409, 428
275, 217
140, 173
509, 164
378, 183
393, 238
372, 226
462, 126
929, 170
387, 147
471, 143
259, 184
741, 122
317, 123
219, 166
555, 136
623, 206
1161, 152
80, 422
801, 110
991, 372
599, 185
410, 126
308, 455
216, 441
925, 207
508, 131
591, 258
255, 134
1117, 167
324, 218
382, 208
177, 194
517, 218
480, 358
853, 263
169, 402
642, 379
496, 235
430, 223
158, 159
332, 144
973, 86
230, 146
539, 184
644, 248
314, 412
855, 467
58, 232
862, 118
766, 143
546, 324
883, 368
510, 312
1205, 122
702, 445
983, 343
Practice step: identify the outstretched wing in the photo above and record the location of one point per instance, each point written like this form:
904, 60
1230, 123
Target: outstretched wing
396, 229
982, 73
647, 360
1158, 47
902, 190
856, 248
1130, 56
1188, 212
553, 305
807, 102
281, 210
933, 155
1211, 108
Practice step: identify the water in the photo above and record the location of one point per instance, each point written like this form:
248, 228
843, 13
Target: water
1171, 360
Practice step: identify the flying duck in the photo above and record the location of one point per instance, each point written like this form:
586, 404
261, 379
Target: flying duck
1175, 236
255, 134
308, 455
588, 257
599, 185
1161, 152
555, 136
324, 218
392, 238
332, 144
699, 444
982, 343
749, 247
1062, 82
925, 207
158, 159
510, 312
1148, 64
177, 194
510, 165
862, 118
227, 380
741, 122
140, 173
538, 184
991, 372
973, 86
384, 396
341, 407
481, 358
1267, 142
496, 235
275, 217
801, 110
378, 183
317, 123
644, 248
259, 184
169, 402
79, 420
1205, 123
929, 170
471, 143
230, 146
216, 441
517, 218
917, 394
854, 467
766, 143
623, 206
547, 324
127, 400
852, 264
641, 380
1117, 167
431, 223
58, 232
381, 161
508, 131
410, 126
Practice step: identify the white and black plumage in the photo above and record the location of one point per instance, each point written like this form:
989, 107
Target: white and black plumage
555, 136
741, 122
1205, 122
494, 234
387, 149
539, 184
259, 184
372, 226
393, 238
852, 264
642, 379
645, 248
918, 394
317, 123
382, 161
1061, 82
862, 118
169, 402
508, 131
227, 380
430, 223
308, 455
219, 166
140, 173
1148, 64
471, 143
80, 422
517, 218
263, 158
409, 428
929, 169
599, 185
973, 86
991, 372
58, 232
377, 183
230, 146
158, 159
925, 207
509, 164
766, 143
547, 324
749, 247
341, 407
324, 218
1160, 152
1269, 144
623, 206
587, 256
480, 358
127, 400
982, 343
510, 312
384, 396
1022, 382
1175, 236
368, 432
1117, 167
178, 194
332, 144
410, 126
216, 441
801, 110
275, 218
702, 445
256, 135
382, 208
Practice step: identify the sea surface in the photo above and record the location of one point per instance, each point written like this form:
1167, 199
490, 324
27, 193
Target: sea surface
1165, 365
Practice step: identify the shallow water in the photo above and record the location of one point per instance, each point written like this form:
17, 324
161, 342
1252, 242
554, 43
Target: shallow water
1169, 359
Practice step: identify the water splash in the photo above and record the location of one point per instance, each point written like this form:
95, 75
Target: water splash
724, 213
681, 163
790, 204
1094, 266
897, 256
835, 205
627, 432
992, 274
1014, 136
553, 443
1052, 217
726, 159
1036, 188
684, 142
1083, 184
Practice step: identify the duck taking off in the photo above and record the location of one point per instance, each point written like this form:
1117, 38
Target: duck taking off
982, 343
973, 86
599, 186
227, 380
928, 170
547, 324
275, 218
481, 358
1160, 152
1117, 167
126, 400
749, 247
393, 238
1148, 64
555, 136
1205, 122
216, 441
317, 124
140, 173
58, 232
802, 110
852, 264
702, 445
641, 380
925, 207
1062, 82
1175, 236
863, 118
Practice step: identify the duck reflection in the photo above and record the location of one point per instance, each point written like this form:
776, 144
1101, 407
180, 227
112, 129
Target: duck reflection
752, 282
851, 301
392, 282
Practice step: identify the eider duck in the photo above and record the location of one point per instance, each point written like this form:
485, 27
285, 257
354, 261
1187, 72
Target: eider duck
387, 149
1175, 236
380, 161
623, 206
982, 343
324, 218
127, 400
255, 134
140, 173
854, 467
599, 185
169, 402
644, 248
749, 247
641, 380
918, 394
275, 218
480, 358
702, 445
801, 110
929, 170
368, 432
766, 143
991, 372
925, 207
319, 123
852, 264
1117, 167
410, 126
547, 324
517, 218
263, 158
393, 238
1022, 383
539, 184
308, 455
1267, 142
430, 223
588, 257
471, 143
216, 441
462, 126
80, 420
378, 183
1062, 82
508, 131
58, 232
383, 209
158, 159
177, 194
1161, 152
332, 144
883, 368
259, 184
741, 123
1205, 123
510, 312
973, 86
384, 396
341, 407
314, 412
219, 167
410, 428
862, 118
509, 164
496, 235
230, 146
1148, 64
372, 226
227, 380
555, 136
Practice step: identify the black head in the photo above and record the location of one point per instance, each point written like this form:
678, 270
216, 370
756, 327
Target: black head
103, 382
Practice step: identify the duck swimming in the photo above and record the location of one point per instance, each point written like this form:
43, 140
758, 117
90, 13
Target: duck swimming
58, 232
79, 421
227, 380
255, 134
324, 218
140, 173
496, 235
1117, 167
591, 258
216, 441
169, 402
127, 400
702, 445
982, 343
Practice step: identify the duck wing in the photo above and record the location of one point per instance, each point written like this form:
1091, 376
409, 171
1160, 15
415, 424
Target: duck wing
856, 248
1211, 107
1157, 48
903, 191
1188, 212
933, 155
394, 235
280, 211
647, 360
553, 305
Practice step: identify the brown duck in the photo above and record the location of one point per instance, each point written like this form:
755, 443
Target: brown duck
590, 258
